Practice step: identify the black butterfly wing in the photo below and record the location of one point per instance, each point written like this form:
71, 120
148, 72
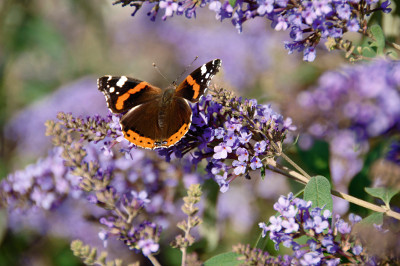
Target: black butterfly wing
194, 86
176, 121
153, 125
123, 93
140, 125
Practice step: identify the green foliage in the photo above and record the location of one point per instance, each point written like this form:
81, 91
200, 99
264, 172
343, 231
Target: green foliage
224, 259
316, 159
262, 172
362, 180
375, 218
377, 45
318, 190
385, 194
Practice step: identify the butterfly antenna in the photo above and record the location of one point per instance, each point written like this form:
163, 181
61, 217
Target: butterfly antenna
186, 68
159, 72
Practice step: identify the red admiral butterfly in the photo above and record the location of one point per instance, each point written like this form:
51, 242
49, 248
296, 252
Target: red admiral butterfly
156, 118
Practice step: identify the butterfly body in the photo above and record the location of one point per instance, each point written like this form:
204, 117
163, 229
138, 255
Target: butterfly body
156, 118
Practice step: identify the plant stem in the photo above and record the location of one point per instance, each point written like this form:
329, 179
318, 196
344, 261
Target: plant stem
153, 260
298, 168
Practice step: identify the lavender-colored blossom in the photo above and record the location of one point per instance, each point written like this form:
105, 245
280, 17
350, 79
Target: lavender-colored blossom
323, 238
103, 235
245, 137
141, 196
259, 147
239, 167
43, 184
343, 227
361, 95
333, 262
311, 258
222, 182
343, 11
275, 223
255, 163
264, 228
221, 151
148, 246
314, 18
280, 24
320, 224
385, 6
290, 225
283, 203
265, 6
353, 25
309, 54
357, 249
231, 139
243, 154
354, 218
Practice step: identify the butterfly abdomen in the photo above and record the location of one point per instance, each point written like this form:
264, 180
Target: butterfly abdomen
166, 107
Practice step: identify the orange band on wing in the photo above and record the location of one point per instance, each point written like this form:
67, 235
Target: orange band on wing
121, 99
138, 140
196, 87
178, 135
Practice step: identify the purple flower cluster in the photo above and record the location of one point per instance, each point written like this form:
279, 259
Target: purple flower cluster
349, 107
233, 135
364, 98
86, 166
41, 185
308, 21
327, 243
143, 236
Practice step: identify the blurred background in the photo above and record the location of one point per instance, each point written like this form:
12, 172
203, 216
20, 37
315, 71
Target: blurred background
52, 52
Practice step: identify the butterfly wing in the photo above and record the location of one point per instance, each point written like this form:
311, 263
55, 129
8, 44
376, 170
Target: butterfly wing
176, 122
152, 125
140, 125
194, 86
123, 93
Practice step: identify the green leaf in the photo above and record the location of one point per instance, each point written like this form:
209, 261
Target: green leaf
315, 160
379, 36
375, 218
224, 259
232, 3
368, 52
385, 194
263, 172
318, 190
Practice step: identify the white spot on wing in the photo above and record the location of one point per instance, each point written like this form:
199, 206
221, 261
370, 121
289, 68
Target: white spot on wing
109, 78
203, 69
122, 81
112, 89
207, 75
117, 92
